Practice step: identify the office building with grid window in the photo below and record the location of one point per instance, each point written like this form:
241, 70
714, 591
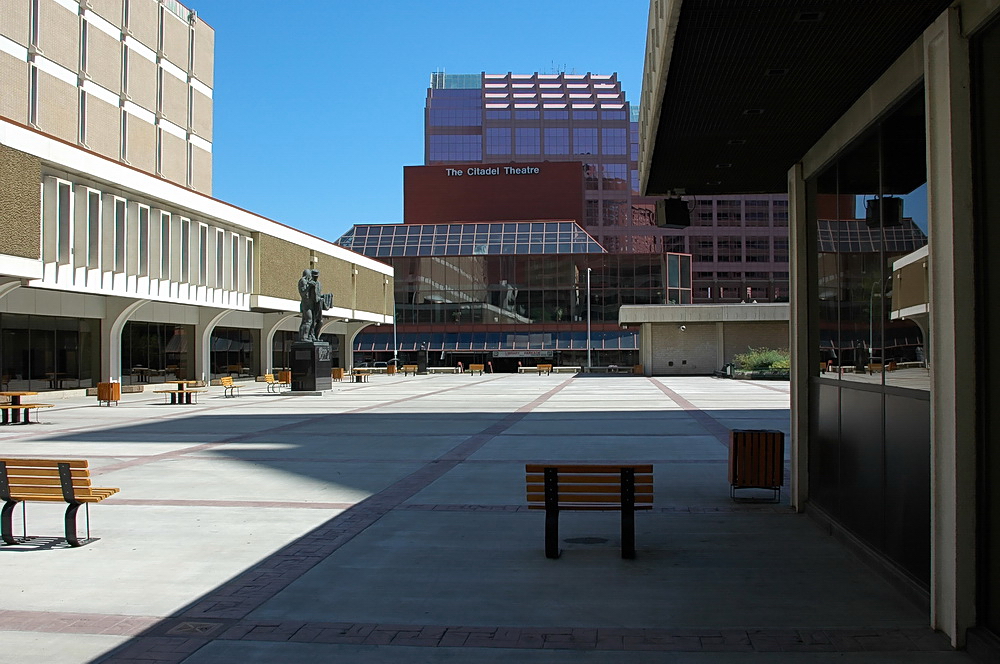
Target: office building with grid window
739, 244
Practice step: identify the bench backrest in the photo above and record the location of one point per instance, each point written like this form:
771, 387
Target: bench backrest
268, 378
69, 478
410, 367
476, 367
226, 381
595, 485
545, 367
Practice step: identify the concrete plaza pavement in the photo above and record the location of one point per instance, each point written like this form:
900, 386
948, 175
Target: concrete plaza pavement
386, 523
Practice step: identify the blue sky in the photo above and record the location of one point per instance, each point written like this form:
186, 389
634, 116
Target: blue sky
319, 104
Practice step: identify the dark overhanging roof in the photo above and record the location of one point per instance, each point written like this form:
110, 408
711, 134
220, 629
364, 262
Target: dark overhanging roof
753, 84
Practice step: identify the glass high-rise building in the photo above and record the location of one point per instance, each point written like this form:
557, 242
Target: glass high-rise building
739, 244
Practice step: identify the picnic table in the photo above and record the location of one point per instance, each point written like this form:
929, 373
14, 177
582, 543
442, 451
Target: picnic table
182, 394
11, 413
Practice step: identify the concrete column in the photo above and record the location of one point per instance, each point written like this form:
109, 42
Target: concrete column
118, 310
720, 344
952, 334
646, 348
208, 318
798, 342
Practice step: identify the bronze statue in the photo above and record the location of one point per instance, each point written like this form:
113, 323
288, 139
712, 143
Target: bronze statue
313, 302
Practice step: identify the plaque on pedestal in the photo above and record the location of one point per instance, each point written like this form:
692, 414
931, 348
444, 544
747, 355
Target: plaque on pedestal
311, 362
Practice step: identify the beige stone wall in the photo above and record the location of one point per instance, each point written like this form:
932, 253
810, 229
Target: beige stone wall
201, 170
141, 84
201, 112
335, 275
109, 10
371, 292
173, 163
174, 100
739, 337
103, 130
204, 53
144, 22
175, 40
58, 107
20, 204
15, 21
14, 83
104, 60
59, 34
280, 266
141, 148
692, 351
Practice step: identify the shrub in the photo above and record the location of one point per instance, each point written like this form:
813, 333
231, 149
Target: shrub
763, 358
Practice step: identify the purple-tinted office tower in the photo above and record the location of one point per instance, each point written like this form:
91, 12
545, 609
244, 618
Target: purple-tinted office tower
739, 244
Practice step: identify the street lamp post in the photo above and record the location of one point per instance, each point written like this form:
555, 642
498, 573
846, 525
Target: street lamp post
589, 364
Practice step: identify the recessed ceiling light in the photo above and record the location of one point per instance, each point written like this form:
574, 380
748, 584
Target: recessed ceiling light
753, 111
723, 165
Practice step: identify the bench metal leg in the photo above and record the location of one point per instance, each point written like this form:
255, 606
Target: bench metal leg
552, 533
628, 533
7, 522
628, 513
71, 536
552, 513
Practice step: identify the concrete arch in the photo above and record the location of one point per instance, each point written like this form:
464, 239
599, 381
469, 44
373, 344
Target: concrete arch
118, 311
272, 323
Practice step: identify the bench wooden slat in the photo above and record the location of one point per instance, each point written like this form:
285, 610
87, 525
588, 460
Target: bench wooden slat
45, 472
609, 478
44, 463
585, 507
588, 468
588, 497
20, 480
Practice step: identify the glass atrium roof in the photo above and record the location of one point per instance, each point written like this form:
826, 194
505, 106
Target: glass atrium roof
471, 239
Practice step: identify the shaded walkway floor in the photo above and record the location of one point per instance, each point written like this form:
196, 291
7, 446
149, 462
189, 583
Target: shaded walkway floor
386, 523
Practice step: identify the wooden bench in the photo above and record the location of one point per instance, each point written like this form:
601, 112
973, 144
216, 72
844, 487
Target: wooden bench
48, 480
408, 369
360, 375
557, 487
473, 368
10, 413
229, 388
273, 384
547, 368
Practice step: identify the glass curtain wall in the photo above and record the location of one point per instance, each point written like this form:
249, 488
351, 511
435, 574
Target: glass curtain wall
40, 353
870, 444
234, 352
156, 352
533, 290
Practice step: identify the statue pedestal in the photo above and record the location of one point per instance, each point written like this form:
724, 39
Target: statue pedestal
311, 362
